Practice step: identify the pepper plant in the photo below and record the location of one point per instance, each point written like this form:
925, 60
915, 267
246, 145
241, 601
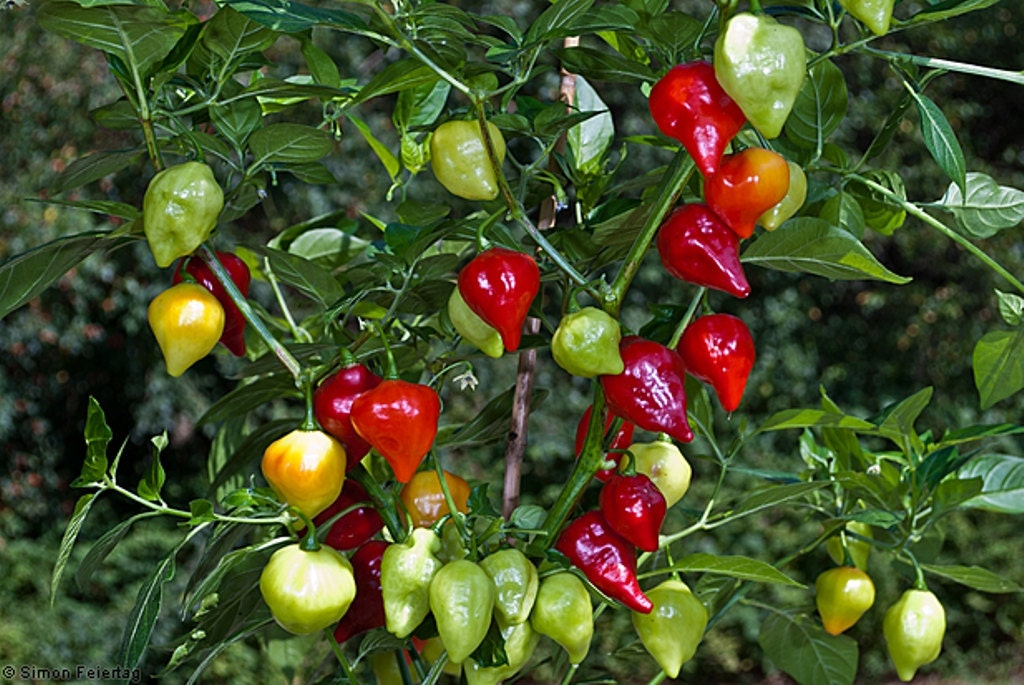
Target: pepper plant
511, 236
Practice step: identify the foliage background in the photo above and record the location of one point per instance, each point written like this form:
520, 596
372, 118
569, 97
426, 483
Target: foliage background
866, 344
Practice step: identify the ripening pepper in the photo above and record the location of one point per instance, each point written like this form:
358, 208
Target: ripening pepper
307, 590
563, 613
718, 349
472, 328
459, 159
515, 582
462, 602
179, 210
665, 465
406, 570
586, 343
675, 626
859, 550
399, 419
843, 594
761, 64
606, 558
499, 285
698, 247
913, 628
187, 321
233, 336
875, 14
332, 406
634, 507
650, 392
688, 104
424, 499
306, 468
359, 521
520, 642
367, 609
747, 185
791, 203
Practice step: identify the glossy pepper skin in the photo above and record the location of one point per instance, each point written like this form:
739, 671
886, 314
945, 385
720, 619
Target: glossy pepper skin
187, 321
424, 499
563, 613
651, 391
307, 591
520, 642
359, 522
399, 419
843, 594
689, 105
761, 64
459, 159
875, 14
233, 336
332, 407
586, 343
179, 210
606, 558
718, 349
675, 627
472, 328
791, 203
406, 570
913, 628
859, 550
515, 581
622, 439
747, 185
367, 609
306, 468
665, 465
462, 602
499, 285
697, 247
634, 507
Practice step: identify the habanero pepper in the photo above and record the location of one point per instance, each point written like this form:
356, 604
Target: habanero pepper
472, 328
332, 406
187, 321
180, 210
424, 499
843, 594
673, 630
462, 602
841, 544
459, 159
622, 439
515, 581
520, 642
697, 247
586, 343
359, 522
406, 570
499, 286
747, 185
665, 465
399, 419
634, 507
307, 590
718, 349
913, 628
791, 203
367, 609
875, 14
563, 613
306, 469
233, 337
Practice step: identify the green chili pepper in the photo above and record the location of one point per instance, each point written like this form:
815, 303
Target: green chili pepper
563, 613
406, 571
515, 579
586, 343
462, 601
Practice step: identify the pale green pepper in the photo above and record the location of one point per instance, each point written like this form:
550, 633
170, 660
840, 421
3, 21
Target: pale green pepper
586, 343
516, 582
462, 601
563, 613
675, 626
406, 571
875, 14
180, 210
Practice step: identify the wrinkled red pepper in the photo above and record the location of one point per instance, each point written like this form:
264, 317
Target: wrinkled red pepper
697, 247
357, 525
399, 419
233, 336
367, 609
499, 286
718, 349
634, 508
332, 407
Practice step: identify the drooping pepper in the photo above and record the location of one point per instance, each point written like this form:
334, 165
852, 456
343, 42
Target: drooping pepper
563, 613
359, 523
791, 203
843, 594
472, 328
499, 285
459, 159
605, 558
586, 343
233, 336
697, 247
665, 465
462, 602
747, 185
306, 468
307, 590
367, 609
634, 508
688, 104
424, 499
623, 438
515, 581
674, 628
179, 210
651, 391
875, 14
718, 349
859, 550
520, 642
332, 406
913, 628
399, 419
406, 570
761, 64
187, 321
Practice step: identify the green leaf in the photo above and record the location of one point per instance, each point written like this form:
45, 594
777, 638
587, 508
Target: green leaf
104, 546
843, 210
310, 278
974, 577
810, 418
252, 555
557, 20
386, 157
251, 449
489, 425
819, 108
321, 66
940, 139
948, 10
202, 512
231, 35
600, 65
881, 213
294, 17
986, 208
396, 77
289, 144
420, 106
237, 120
772, 496
806, 652
154, 479
998, 362
897, 421
810, 245
97, 437
589, 140
144, 614
246, 397
1011, 307
885, 133
122, 210
95, 166
740, 567
67, 543
1002, 479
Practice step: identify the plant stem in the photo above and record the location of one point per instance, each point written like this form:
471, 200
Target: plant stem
1016, 77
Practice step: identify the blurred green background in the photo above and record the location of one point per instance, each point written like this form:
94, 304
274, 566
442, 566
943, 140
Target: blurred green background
867, 344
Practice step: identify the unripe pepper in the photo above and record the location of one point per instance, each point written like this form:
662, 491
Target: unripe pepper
306, 468
634, 508
913, 628
406, 570
499, 285
179, 210
747, 185
367, 609
675, 626
665, 465
623, 438
459, 159
332, 407
586, 343
718, 349
697, 247
859, 550
307, 590
187, 321
875, 14
689, 105
520, 642
605, 558
761, 64
791, 203
515, 581
359, 523
843, 594
650, 392
563, 613
399, 419
472, 328
424, 499
462, 602
233, 336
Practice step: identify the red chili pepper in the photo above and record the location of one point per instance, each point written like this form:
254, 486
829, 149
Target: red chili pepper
605, 558
399, 419
651, 392
356, 526
718, 349
233, 336
499, 286
367, 609
688, 104
697, 247
634, 508
747, 185
332, 407
623, 439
